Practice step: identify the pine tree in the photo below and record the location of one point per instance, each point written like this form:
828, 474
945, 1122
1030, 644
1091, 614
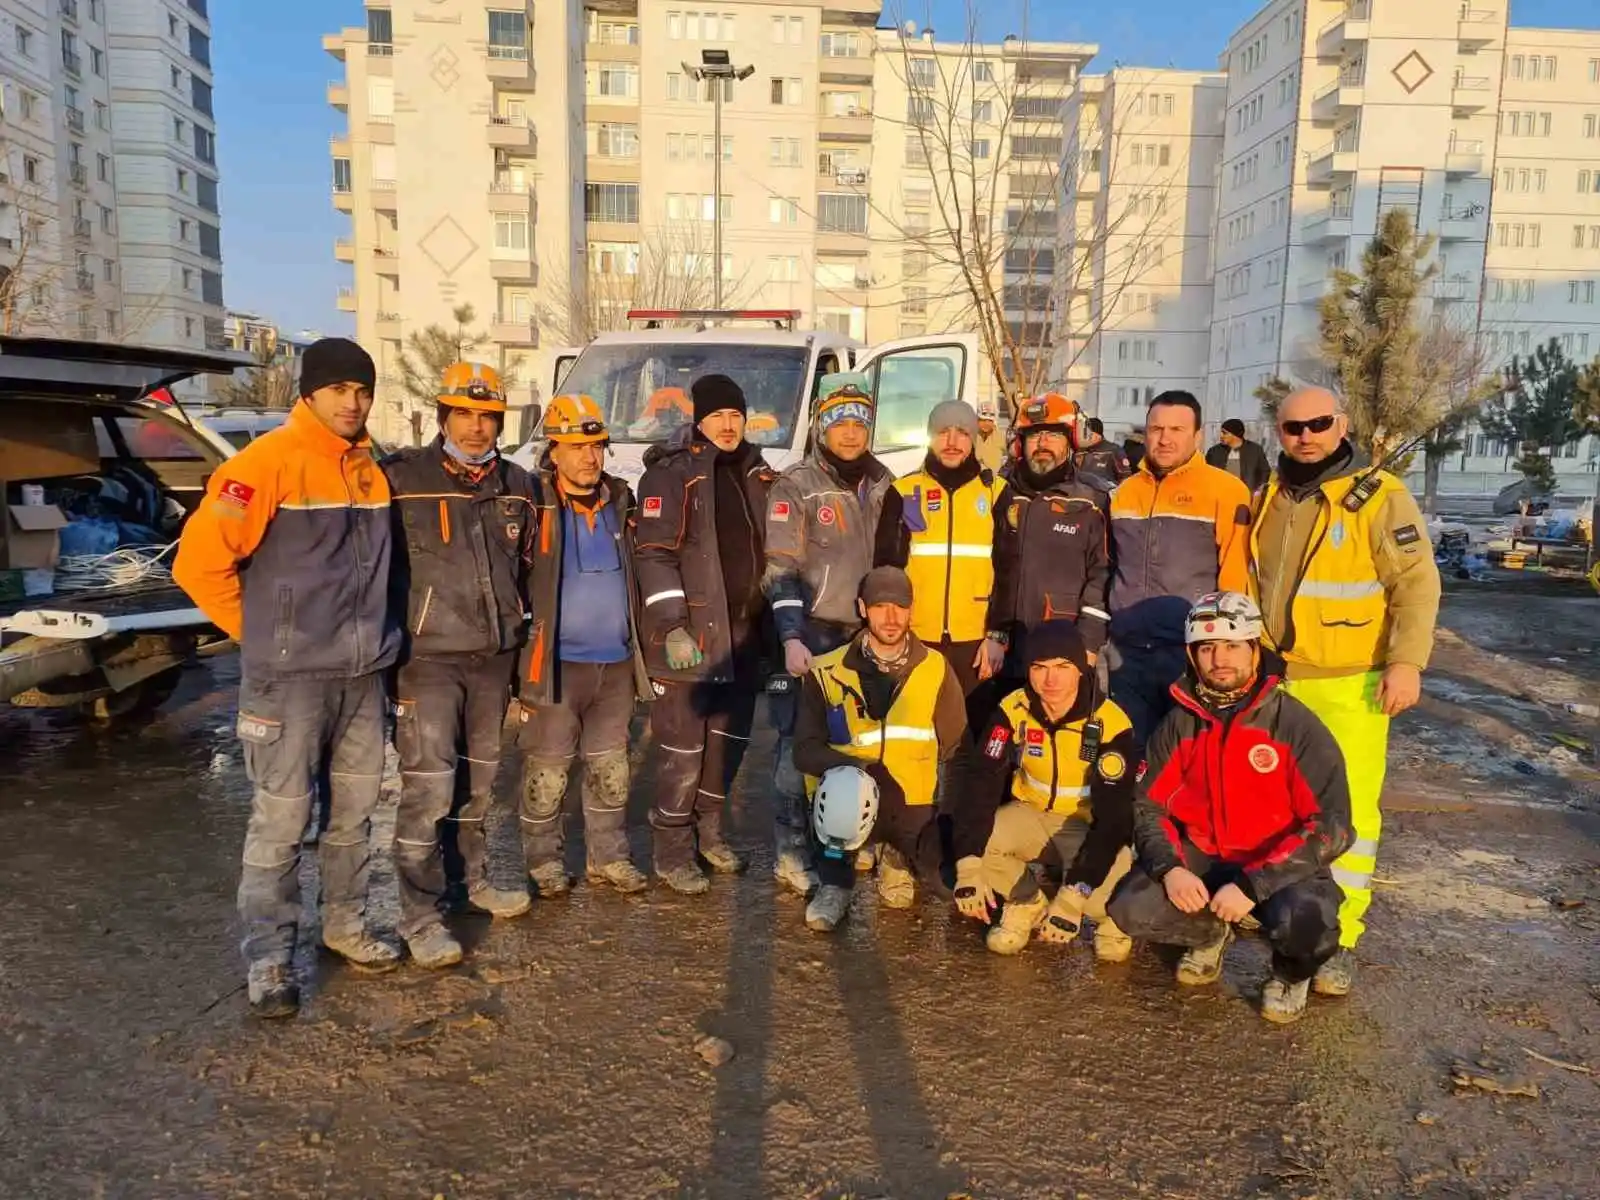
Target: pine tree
1542, 409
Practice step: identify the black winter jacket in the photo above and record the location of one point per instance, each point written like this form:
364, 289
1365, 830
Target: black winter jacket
1055, 543
676, 528
1254, 469
461, 553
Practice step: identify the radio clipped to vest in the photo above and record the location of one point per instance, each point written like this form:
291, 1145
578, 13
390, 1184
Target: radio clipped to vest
1363, 490
1089, 744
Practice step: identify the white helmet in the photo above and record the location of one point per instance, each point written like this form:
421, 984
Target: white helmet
1223, 617
844, 808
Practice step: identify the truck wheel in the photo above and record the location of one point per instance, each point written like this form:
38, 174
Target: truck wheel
136, 704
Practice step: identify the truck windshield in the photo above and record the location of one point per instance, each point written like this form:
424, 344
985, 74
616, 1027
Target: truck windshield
643, 387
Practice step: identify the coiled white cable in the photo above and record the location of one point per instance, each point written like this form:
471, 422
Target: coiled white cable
122, 568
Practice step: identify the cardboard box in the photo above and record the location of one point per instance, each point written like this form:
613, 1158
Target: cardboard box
47, 440
32, 536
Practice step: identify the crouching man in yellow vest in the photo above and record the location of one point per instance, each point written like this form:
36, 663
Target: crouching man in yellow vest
886, 705
1057, 787
1349, 596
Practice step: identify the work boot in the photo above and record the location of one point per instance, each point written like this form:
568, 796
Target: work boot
723, 858
793, 870
1283, 1002
622, 875
1018, 920
687, 880
827, 908
1336, 976
866, 859
498, 902
364, 952
273, 992
1203, 964
897, 886
434, 948
1111, 945
549, 879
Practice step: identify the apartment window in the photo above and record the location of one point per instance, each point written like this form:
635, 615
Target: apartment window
103, 167
922, 72
206, 190
1594, 70
919, 110
200, 95
97, 61
511, 230
1549, 67
1591, 125
1580, 291
619, 81
796, 31
840, 45
983, 110
25, 42
783, 269
783, 211
841, 213
982, 72
205, 145
178, 127
184, 228
614, 258
341, 176
380, 28
102, 116
783, 152
188, 279
786, 91
26, 102
1516, 66
980, 148
30, 170
508, 34
1589, 181
96, 15
177, 78
105, 219
611, 202
916, 152
616, 141
1036, 147
675, 25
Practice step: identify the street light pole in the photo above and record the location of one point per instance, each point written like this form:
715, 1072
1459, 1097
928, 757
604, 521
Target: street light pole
717, 68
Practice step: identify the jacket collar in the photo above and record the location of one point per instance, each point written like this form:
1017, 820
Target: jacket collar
1197, 458
314, 435
1343, 463
1183, 692
855, 658
876, 471
1081, 708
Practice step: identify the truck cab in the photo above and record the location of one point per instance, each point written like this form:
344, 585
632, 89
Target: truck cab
641, 379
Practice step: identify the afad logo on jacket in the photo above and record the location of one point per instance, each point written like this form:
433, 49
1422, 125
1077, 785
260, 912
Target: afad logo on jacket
1264, 758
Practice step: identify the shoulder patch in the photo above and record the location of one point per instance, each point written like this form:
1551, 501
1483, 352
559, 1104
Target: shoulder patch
651, 507
994, 746
237, 493
1241, 515
1407, 535
1112, 766
825, 515
780, 511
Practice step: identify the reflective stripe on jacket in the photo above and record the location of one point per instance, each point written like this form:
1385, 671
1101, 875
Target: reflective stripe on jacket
905, 741
951, 555
289, 554
1050, 772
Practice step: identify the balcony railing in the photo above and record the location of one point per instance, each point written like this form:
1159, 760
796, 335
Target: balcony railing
1472, 83
1477, 16
79, 174
86, 281
1361, 11
74, 119
510, 185
388, 316
380, 49
383, 185
509, 53
1465, 146
82, 228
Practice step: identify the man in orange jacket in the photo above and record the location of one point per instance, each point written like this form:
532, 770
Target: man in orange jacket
289, 555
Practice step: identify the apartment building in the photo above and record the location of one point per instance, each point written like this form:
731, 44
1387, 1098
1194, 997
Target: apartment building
107, 212
1139, 171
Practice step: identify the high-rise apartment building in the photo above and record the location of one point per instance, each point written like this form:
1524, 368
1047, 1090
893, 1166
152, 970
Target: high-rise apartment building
110, 224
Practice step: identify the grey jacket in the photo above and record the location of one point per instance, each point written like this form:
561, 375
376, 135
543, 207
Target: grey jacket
819, 547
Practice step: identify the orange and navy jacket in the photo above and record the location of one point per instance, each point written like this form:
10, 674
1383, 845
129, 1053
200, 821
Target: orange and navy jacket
1173, 540
1260, 786
289, 554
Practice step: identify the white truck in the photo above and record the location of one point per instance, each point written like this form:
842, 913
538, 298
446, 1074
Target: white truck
641, 380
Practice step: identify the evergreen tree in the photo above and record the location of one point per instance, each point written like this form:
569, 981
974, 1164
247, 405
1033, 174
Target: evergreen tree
1541, 409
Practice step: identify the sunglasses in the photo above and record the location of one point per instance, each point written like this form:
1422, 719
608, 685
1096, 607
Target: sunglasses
1315, 425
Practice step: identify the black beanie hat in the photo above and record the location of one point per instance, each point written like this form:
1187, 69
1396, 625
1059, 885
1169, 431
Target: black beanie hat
1234, 426
713, 393
335, 360
1057, 639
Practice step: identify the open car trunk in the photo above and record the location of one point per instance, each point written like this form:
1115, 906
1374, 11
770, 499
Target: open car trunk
91, 465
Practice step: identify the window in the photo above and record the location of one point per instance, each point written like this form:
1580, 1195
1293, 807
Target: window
177, 78
172, 25
27, 100
380, 27
675, 25
188, 279
620, 81
614, 258
611, 202
102, 116
783, 152
105, 219
205, 145
30, 169
206, 189
24, 41
982, 110
1549, 67
97, 61
341, 176
511, 231
841, 213
616, 141
184, 228
1589, 181
103, 167
786, 91
797, 31
982, 72
922, 72
783, 269
778, 30
980, 148
178, 127
508, 34
783, 211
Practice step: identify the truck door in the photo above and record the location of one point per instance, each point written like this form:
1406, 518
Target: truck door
909, 377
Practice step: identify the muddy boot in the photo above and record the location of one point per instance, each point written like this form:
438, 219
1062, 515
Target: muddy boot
1018, 920
827, 908
1111, 945
897, 886
622, 875
434, 948
272, 989
549, 879
793, 868
498, 902
1203, 964
723, 858
1283, 1002
364, 952
1336, 976
866, 859
687, 881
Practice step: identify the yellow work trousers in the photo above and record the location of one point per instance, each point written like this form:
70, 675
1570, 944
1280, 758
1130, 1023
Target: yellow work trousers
1348, 706
1021, 835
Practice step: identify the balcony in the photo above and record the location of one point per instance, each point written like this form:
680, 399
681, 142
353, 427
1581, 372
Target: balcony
343, 199
339, 145
1331, 225
1350, 26
79, 174
333, 43
851, 126
347, 299
514, 270
1456, 288
82, 229
1463, 225
69, 10
380, 49
510, 330
344, 250
1339, 99
611, 52
1471, 93
86, 282
1478, 26
510, 133
1464, 158
339, 95
1330, 161
511, 195
510, 64
387, 326
384, 194
74, 119
385, 261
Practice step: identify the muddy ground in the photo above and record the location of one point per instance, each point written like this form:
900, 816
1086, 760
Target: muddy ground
897, 1059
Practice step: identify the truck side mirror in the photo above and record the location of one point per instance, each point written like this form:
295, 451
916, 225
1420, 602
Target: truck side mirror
528, 422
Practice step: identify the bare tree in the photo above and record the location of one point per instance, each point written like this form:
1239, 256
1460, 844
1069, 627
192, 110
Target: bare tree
266, 384
1456, 375
428, 352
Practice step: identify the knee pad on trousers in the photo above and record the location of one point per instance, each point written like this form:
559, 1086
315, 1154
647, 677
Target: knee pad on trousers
544, 786
605, 781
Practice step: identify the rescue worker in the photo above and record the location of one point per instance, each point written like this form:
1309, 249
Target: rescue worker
1104, 460
822, 520
888, 704
1133, 447
583, 668
1058, 776
1239, 810
1052, 539
699, 553
1238, 455
289, 554
464, 532
938, 524
1350, 595
991, 448
1180, 529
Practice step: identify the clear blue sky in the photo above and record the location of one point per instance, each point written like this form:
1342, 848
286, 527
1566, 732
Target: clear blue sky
274, 122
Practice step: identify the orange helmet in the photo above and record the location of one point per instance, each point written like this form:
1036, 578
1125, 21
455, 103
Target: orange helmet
576, 420
472, 385
1050, 411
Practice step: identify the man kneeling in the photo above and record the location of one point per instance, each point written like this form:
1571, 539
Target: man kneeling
887, 706
1055, 781
1240, 808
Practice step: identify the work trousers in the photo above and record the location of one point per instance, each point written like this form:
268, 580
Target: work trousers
449, 714
702, 731
1025, 834
1301, 921
591, 719
1141, 684
296, 731
912, 829
1348, 706
791, 824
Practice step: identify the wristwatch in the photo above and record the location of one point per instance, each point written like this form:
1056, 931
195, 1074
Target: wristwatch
999, 637
1083, 889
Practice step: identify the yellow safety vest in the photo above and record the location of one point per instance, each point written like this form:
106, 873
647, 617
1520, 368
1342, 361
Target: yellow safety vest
952, 557
1050, 772
904, 741
1338, 615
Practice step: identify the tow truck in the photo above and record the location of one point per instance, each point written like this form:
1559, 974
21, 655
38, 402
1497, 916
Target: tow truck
641, 379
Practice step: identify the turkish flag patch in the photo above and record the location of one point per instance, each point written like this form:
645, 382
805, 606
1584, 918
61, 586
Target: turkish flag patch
780, 511
651, 507
1035, 737
994, 746
935, 500
235, 492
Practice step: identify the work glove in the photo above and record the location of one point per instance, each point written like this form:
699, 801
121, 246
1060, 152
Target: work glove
796, 658
682, 653
1064, 916
974, 897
